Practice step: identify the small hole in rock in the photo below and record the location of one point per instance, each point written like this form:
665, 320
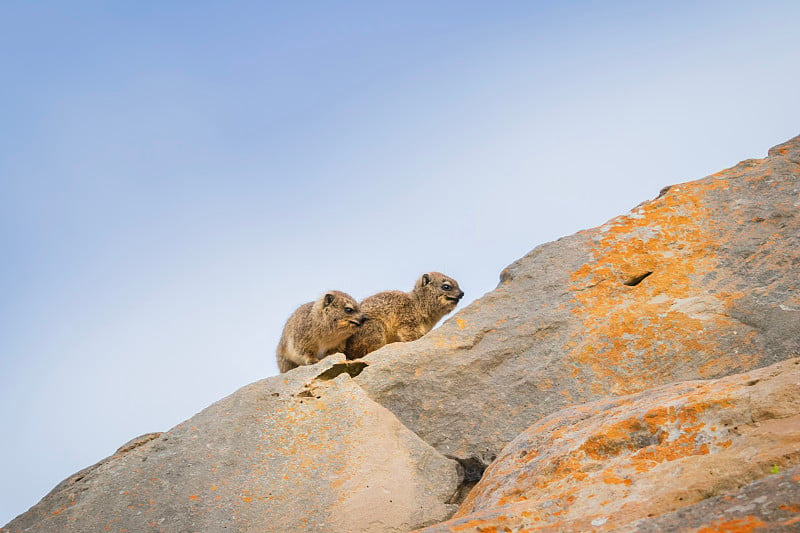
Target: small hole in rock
471, 470
635, 280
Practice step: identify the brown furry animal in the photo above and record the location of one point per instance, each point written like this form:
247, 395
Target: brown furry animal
318, 329
395, 316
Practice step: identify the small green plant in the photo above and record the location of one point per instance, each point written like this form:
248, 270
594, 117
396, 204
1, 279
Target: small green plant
775, 469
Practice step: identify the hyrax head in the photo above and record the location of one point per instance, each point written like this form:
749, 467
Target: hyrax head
340, 310
443, 289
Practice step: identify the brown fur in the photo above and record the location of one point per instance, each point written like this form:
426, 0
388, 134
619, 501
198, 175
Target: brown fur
395, 316
318, 329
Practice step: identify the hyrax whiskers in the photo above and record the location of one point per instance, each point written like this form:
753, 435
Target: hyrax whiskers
396, 316
318, 329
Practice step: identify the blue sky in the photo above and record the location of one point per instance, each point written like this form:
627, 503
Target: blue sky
176, 178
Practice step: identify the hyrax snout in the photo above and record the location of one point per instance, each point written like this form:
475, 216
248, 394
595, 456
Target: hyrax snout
396, 316
318, 329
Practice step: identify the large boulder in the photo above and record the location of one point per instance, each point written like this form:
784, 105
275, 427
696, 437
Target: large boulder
701, 282
305, 451
605, 464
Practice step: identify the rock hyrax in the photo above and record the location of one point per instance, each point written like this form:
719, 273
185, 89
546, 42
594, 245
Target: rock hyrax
396, 316
318, 329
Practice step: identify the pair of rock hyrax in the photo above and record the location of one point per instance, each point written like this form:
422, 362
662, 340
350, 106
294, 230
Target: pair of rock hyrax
335, 323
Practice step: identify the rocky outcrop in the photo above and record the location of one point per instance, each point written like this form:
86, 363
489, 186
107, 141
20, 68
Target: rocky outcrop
645, 365
701, 282
304, 451
603, 465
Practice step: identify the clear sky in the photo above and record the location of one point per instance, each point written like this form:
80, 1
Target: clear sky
177, 177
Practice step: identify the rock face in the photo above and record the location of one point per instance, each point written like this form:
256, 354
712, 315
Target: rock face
305, 451
702, 282
638, 376
602, 465
771, 504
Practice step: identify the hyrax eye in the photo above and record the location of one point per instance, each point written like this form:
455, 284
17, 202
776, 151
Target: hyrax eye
446, 286
348, 310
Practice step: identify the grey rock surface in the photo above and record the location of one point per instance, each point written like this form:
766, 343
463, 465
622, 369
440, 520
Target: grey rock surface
305, 451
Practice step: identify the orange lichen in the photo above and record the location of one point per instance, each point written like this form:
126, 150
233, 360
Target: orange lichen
622, 436
474, 525
781, 150
610, 479
641, 441
639, 298
739, 525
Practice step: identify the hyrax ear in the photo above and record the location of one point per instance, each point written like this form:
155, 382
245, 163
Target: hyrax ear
328, 299
422, 281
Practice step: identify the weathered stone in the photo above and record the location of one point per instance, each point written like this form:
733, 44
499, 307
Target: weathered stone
605, 464
771, 504
701, 282
305, 451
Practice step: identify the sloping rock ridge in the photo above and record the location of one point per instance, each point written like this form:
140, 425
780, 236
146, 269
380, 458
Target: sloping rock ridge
638, 376
701, 282
304, 451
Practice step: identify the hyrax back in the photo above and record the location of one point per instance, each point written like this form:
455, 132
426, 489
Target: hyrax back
318, 329
395, 316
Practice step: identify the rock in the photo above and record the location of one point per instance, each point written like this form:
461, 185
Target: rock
771, 504
590, 353
305, 451
603, 465
701, 282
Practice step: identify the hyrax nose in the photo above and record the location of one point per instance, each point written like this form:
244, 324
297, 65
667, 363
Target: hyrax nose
460, 294
362, 320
